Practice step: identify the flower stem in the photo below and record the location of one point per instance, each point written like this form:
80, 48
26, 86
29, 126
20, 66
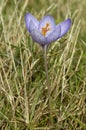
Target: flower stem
48, 84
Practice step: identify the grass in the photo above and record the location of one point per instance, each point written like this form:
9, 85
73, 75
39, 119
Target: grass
23, 89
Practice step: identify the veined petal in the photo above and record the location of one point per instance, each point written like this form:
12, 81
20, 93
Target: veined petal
36, 35
65, 25
48, 24
32, 26
54, 35
28, 18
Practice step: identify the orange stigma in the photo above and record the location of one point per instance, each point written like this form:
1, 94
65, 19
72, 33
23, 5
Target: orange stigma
45, 29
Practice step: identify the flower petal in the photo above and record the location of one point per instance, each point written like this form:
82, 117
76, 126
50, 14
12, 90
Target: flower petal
47, 20
36, 35
54, 35
28, 18
32, 26
65, 25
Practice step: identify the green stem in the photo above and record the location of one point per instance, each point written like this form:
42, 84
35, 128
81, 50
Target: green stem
48, 84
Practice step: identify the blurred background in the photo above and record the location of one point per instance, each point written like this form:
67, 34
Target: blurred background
23, 90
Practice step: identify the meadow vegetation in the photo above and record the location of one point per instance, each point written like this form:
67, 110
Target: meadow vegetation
23, 89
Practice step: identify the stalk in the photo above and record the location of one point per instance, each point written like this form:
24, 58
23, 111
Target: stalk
48, 83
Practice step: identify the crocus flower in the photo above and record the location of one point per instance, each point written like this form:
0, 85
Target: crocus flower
46, 31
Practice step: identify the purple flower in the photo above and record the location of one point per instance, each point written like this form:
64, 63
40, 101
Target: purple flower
46, 31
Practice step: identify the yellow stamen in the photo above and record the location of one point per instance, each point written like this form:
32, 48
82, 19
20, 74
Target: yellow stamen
45, 29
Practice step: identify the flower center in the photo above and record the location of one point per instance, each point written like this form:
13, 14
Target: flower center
45, 29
